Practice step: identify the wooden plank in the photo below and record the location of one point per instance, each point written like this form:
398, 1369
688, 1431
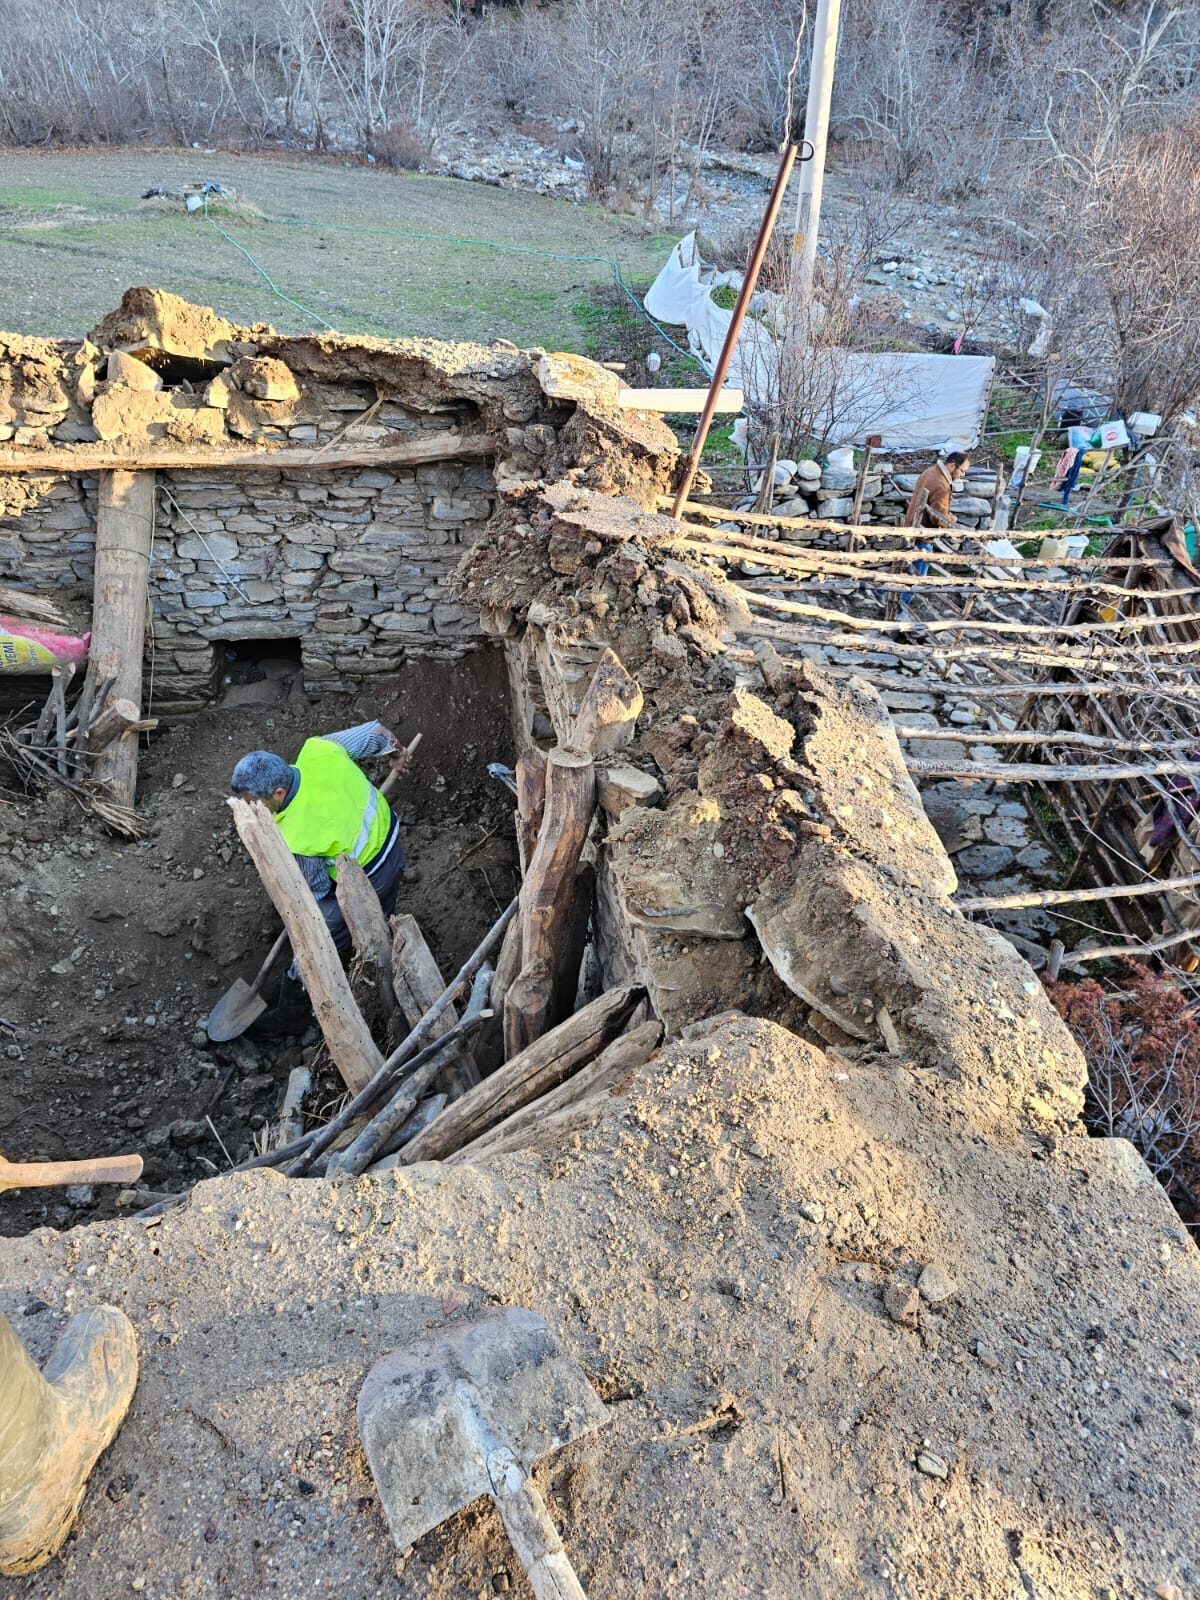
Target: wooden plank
346, 1033
543, 1066
117, 457
418, 983
124, 535
371, 970
529, 1125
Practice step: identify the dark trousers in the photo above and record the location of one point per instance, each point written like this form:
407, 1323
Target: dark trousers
385, 878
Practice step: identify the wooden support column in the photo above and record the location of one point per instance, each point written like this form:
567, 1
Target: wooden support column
346, 1033
124, 534
548, 972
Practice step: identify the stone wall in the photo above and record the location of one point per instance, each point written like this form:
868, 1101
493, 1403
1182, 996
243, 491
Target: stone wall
355, 564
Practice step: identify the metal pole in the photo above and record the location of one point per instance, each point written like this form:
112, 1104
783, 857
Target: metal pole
786, 162
816, 133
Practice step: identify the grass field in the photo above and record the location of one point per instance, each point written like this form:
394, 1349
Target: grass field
364, 250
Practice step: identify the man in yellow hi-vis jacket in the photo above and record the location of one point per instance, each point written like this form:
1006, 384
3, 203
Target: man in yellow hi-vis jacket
326, 807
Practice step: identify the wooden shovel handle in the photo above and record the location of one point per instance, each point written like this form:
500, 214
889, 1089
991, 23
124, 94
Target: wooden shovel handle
535, 1540
52, 1174
390, 782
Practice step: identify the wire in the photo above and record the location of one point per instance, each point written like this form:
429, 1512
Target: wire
263, 273
216, 560
443, 238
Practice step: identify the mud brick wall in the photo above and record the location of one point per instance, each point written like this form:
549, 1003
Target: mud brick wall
356, 564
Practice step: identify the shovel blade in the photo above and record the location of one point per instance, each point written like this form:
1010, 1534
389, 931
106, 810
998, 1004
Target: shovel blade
415, 1412
233, 1013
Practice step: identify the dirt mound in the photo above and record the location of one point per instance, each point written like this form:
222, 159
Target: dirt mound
849, 1345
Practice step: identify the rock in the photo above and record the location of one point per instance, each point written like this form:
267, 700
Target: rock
184, 1132
130, 371
932, 1466
80, 1195
902, 1303
620, 787
812, 1211
986, 1355
984, 860
265, 378
934, 1285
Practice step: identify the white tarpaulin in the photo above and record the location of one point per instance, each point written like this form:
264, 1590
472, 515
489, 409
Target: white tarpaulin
914, 401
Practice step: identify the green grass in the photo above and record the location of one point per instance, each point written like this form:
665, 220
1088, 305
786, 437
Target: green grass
368, 251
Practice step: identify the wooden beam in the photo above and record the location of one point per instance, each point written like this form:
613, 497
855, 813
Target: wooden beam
1015, 736
117, 457
419, 982
547, 896
546, 1063
880, 531
1111, 952
762, 600
124, 535
531, 1124
354, 1052
371, 969
1067, 897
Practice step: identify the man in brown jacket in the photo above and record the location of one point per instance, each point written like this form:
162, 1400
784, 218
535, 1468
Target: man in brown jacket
935, 483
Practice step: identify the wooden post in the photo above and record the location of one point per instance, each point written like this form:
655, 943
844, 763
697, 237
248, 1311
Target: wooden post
547, 895
860, 484
346, 1033
547, 958
371, 970
419, 982
124, 535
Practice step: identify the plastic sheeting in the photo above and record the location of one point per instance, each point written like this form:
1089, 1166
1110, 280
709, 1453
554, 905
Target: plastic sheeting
913, 401
27, 647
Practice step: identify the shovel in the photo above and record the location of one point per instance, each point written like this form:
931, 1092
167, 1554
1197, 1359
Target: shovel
53, 1174
242, 1003
466, 1412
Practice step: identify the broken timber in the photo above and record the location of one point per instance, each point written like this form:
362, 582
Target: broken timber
544, 987
354, 1052
418, 983
546, 1063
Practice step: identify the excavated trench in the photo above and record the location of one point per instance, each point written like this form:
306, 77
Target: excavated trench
111, 953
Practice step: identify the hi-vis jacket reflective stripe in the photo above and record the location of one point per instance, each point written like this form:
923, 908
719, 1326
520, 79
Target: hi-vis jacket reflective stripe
335, 810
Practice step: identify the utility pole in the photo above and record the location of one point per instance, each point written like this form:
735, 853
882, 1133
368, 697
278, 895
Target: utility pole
816, 134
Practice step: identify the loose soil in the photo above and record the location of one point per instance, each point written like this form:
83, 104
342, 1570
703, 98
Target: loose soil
111, 954
732, 1255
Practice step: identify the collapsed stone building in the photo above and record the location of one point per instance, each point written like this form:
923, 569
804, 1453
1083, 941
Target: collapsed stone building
869, 1310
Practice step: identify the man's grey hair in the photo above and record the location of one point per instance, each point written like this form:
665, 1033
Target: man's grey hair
259, 774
